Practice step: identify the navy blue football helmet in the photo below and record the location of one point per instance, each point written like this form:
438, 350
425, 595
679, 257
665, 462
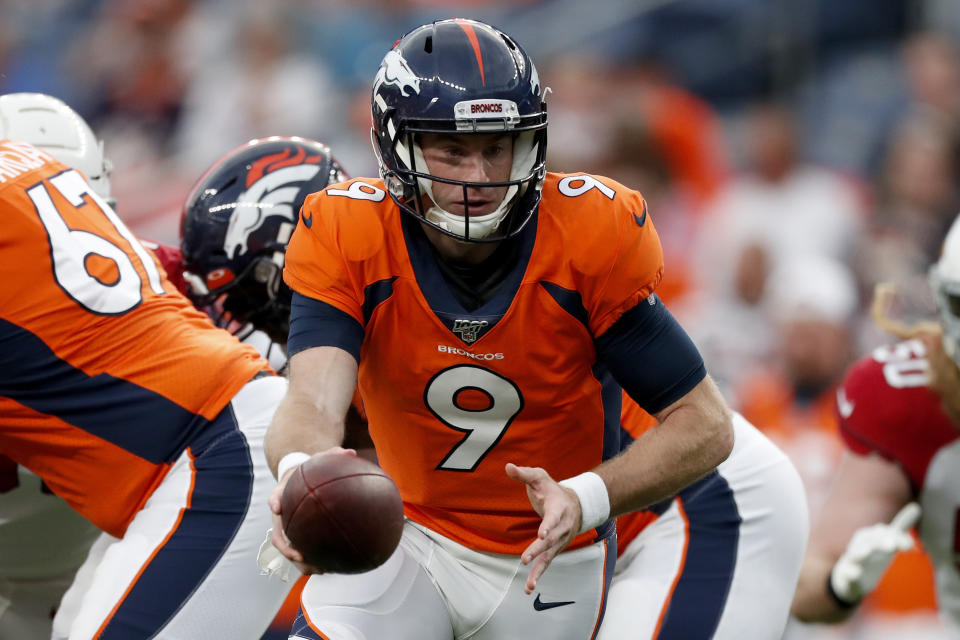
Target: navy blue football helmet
459, 76
236, 224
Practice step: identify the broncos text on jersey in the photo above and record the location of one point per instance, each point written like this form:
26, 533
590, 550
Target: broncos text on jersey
448, 409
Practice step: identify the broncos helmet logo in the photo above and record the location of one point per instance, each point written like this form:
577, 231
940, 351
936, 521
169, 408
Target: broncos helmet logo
272, 193
395, 70
534, 80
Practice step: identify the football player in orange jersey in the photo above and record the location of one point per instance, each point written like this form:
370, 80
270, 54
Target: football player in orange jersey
242, 290
899, 411
250, 198
44, 541
480, 302
133, 407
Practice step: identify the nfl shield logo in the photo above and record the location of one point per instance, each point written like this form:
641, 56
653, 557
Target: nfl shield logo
469, 330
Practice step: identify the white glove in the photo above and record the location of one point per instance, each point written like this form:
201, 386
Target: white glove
272, 562
869, 553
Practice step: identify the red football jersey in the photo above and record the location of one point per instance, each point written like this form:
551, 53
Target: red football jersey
171, 259
453, 395
107, 370
885, 407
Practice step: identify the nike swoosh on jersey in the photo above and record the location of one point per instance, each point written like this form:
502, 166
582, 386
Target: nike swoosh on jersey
844, 406
307, 220
640, 220
542, 606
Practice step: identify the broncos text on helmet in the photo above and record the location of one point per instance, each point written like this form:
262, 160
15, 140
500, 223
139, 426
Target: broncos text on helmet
235, 227
459, 76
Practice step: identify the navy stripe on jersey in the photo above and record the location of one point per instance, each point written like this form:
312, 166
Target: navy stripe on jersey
701, 593
314, 323
374, 294
651, 356
438, 293
141, 421
220, 500
612, 398
569, 300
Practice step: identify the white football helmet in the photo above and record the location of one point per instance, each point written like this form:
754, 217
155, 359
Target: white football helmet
49, 124
945, 280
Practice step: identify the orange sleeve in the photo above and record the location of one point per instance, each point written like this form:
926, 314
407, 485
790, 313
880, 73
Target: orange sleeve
634, 419
636, 268
314, 264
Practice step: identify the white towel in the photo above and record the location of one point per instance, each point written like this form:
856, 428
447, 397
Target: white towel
272, 562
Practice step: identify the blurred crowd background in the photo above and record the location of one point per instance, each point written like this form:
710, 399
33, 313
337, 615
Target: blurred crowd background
793, 153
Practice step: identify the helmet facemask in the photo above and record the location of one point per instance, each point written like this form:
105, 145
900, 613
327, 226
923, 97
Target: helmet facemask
411, 185
256, 298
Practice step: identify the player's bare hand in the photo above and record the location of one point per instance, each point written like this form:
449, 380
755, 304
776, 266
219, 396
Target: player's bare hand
279, 538
560, 510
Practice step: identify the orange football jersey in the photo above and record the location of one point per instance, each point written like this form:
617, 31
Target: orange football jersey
107, 371
453, 395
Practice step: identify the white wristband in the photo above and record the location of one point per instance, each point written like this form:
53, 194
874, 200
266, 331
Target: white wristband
291, 460
594, 499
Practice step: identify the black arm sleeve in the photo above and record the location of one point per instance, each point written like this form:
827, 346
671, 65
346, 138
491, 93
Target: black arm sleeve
317, 324
651, 356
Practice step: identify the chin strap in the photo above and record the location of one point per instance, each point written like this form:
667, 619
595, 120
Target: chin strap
524, 157
480, 226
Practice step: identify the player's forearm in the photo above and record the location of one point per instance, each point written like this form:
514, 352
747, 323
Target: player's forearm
811, 601
693, 438
311, 416
298, 425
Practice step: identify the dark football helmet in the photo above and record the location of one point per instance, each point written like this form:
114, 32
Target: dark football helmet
236, 224
459, 76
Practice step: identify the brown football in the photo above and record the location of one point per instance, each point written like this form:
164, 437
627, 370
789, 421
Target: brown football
342, 512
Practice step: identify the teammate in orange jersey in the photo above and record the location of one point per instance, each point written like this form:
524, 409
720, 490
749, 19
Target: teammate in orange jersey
899, 413
250, 198
44, 541
480, 302
131, 406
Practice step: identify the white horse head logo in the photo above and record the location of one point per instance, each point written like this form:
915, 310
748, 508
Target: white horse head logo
395, 70
271, 195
